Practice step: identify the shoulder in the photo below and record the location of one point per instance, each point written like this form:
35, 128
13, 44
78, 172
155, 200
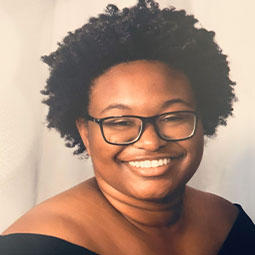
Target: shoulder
66, 216
212, 216
30, 244
213, 206
241, 237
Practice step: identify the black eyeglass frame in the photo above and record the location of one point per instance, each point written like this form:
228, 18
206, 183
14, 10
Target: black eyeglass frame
144, 120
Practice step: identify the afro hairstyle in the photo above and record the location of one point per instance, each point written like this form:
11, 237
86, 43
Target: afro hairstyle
142, 32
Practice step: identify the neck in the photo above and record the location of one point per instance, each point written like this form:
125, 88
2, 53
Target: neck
166, 213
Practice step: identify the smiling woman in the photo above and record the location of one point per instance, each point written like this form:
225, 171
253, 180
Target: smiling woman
138, 90
157, 90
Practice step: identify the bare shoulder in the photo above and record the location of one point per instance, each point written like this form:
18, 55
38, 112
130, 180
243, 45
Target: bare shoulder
213, 215
213, 205
66, 216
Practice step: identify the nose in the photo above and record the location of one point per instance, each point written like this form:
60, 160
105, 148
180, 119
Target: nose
149, 139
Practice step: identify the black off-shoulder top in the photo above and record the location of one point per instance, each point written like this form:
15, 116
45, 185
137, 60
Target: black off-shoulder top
240, 240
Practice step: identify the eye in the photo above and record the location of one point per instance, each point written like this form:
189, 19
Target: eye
177, 118
121, 123
172, 118
118, 123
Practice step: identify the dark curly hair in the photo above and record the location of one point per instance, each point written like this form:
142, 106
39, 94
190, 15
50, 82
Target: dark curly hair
143, 32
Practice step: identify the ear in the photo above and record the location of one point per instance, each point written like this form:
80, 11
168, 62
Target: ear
82, 127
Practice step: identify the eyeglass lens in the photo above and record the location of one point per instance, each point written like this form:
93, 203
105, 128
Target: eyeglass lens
170, 126
121, 129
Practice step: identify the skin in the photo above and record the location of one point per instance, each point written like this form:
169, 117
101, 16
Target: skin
121, 207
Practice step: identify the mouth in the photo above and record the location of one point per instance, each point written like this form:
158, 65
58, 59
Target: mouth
150, 163
153, 167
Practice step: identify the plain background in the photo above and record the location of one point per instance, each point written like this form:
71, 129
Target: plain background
35, 164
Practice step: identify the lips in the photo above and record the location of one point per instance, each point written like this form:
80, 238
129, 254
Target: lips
152, 167
150, 163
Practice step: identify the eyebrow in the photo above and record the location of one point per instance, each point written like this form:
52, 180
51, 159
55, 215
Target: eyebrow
116, 106
164, 105
175, 101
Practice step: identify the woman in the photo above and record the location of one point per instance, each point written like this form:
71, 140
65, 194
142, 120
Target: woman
137, 90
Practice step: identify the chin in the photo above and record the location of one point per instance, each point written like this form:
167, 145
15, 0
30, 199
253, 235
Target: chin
153, 190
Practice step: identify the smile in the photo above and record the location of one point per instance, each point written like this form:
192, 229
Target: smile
150, 163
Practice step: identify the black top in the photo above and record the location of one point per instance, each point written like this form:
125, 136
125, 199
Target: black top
240, 240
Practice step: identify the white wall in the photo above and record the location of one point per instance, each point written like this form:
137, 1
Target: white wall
23, 39
35, 164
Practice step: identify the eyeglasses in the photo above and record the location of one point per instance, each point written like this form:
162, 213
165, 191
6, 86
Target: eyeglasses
128, 129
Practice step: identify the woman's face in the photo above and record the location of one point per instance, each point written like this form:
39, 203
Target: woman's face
142, 88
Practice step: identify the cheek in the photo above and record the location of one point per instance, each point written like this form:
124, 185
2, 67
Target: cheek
101, 152
196, 147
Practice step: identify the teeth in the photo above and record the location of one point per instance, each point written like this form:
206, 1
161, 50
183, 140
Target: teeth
150, 163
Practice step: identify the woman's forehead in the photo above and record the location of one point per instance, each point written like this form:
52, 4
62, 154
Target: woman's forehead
139, 66
139, 83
